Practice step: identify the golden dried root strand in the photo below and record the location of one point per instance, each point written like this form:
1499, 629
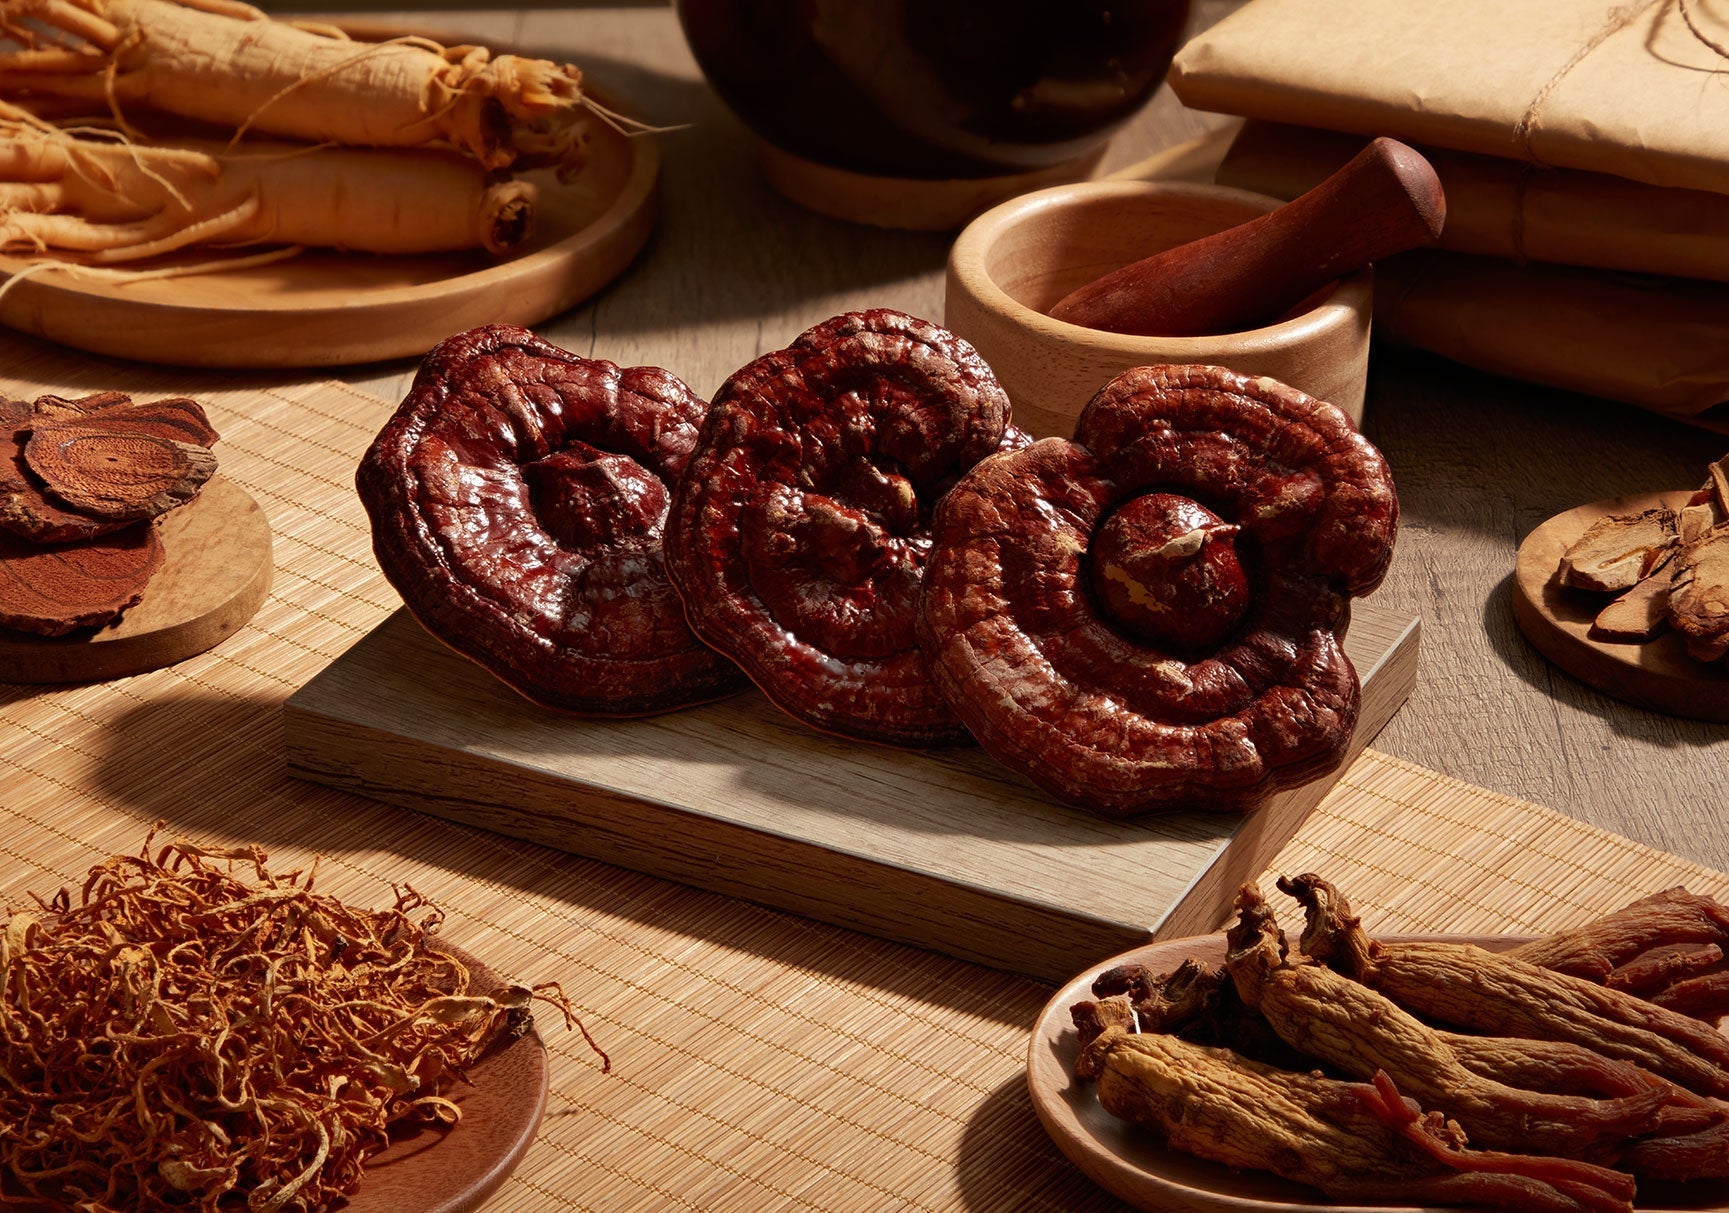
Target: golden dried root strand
229, 64
176, 1036
1356, 1030
1351, 1140
1195, 1001
1504, 994
99, 201
1666, 949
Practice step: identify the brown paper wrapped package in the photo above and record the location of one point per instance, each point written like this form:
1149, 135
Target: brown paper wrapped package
1659, 343
1621, 88
1504, 209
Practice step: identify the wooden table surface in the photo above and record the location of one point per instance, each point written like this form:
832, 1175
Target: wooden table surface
735, 271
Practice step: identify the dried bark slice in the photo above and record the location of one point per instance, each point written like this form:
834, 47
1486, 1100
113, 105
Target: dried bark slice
800, 531
517, 500
1616, 553
122, 476
1642, 613
74, 469
1222, 676
51, 590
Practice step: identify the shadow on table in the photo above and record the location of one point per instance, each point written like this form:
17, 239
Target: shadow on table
1008, 1162
1537, 671
1471, 451
211, 766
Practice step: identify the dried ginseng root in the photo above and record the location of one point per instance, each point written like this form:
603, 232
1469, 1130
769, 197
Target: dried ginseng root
1358, 1031
1501, 995
1598, 948
1354, 1141
228, 64
96, 200
174, 1037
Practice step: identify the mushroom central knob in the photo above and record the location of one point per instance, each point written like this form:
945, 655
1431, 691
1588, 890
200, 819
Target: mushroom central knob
1166, 570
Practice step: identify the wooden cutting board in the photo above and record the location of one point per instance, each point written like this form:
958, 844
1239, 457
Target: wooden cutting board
944, 850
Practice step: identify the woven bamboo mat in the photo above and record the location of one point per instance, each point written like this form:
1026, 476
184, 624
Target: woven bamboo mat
760, 1061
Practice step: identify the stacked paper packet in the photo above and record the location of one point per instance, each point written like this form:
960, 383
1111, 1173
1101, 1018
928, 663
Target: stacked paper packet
1584, 148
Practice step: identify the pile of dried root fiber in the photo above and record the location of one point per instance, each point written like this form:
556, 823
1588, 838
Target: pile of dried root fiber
174, 1037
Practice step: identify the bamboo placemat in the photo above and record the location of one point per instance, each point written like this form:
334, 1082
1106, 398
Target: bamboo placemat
760, 1061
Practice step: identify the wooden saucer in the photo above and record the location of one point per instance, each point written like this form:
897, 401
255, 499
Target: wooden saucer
213, 579
1557, 621
454, 1170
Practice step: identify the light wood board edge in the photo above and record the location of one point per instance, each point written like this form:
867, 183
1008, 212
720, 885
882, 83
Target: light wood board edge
986, 926
1386, 685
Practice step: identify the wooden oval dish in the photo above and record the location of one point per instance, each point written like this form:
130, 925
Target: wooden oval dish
214, 576
331, 309
1557, 621
454, 1170
1133, 1163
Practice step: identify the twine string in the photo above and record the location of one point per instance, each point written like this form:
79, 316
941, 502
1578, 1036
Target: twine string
1524, 131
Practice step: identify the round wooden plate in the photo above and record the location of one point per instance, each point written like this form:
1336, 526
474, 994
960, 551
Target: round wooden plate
331, 309
1132, 1163
454, 1170
214, 575
1557, 621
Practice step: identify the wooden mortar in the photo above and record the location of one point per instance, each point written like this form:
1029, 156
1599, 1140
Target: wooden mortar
1018, 259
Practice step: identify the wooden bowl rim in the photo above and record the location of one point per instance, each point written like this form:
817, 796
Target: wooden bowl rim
968, 272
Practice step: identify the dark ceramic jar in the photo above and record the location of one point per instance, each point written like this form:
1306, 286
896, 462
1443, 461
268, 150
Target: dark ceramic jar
934, 88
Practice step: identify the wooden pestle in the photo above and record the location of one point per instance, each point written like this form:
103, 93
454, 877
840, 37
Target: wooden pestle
1384, 201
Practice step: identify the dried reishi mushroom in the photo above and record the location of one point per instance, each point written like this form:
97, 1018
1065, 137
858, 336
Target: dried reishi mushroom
53, 589
517, 498
1149, 615
75, 469
799, 534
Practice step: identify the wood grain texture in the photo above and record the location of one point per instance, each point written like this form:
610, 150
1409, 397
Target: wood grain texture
215, 573
331, 309
943, 849
1557, 621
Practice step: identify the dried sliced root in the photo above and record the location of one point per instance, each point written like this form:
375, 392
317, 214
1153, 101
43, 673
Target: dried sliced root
233, 66
1615, 553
